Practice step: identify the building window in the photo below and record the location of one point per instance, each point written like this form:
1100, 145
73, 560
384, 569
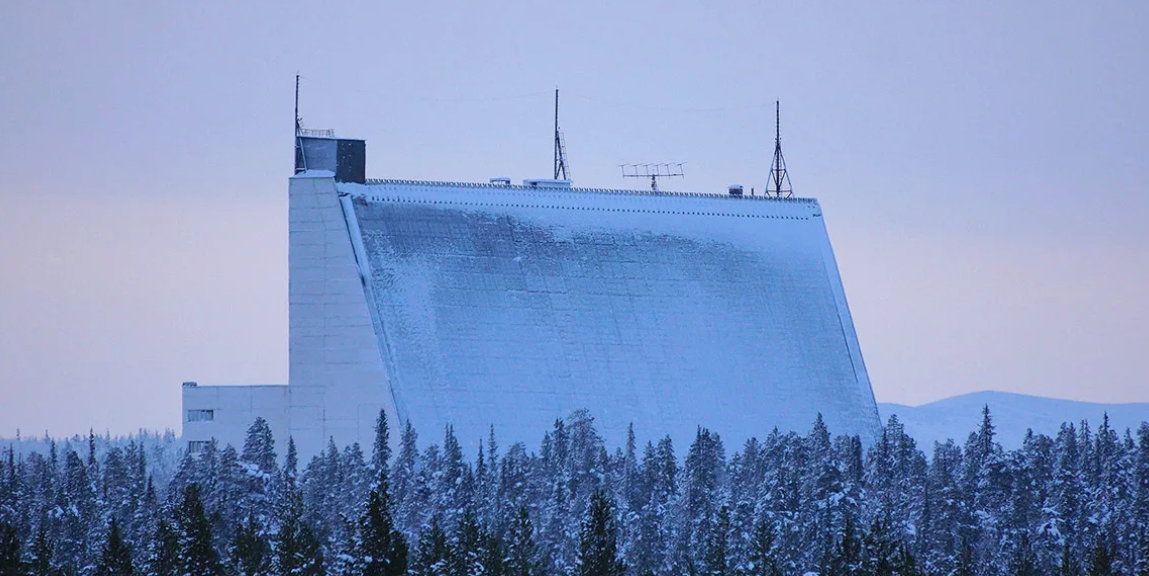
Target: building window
197, 446
201, 415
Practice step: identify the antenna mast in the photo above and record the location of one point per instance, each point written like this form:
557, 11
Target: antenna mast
560, 145
300, 159
779, 182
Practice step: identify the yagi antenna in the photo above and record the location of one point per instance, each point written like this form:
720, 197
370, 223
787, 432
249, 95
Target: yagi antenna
560, 145
779, 181
653, 171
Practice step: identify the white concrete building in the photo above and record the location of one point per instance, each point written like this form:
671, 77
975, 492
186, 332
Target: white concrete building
491, 304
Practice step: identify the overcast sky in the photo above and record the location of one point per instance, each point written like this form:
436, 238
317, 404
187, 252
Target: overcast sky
982, 167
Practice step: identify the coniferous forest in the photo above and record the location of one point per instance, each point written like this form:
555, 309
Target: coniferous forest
1076, 504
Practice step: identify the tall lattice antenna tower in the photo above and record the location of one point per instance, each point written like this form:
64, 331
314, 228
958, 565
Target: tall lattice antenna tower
561, 166
779, 182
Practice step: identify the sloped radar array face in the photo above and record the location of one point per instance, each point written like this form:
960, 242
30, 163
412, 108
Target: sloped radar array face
516, 314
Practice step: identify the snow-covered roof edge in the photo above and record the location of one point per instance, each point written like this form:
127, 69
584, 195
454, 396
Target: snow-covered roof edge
575, 189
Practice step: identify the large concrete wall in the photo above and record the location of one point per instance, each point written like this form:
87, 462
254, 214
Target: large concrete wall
512, 306
336, 376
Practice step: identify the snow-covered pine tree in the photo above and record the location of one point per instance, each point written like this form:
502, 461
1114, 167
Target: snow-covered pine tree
821, 491
905, 563
941, 539
631, 493
196, 552
1030, 470
1068, 490
259, 461
522, 553
717, 561
382, 548
164, 556
986, 486
230, 498
762, 559
290, 464
1068, 566
77, 511
598, 540
250, 553
746, 478
482, 489
468, 545
556, 498
895, 480
11, 559
20, 503
515, 471
116, 556
1105, 485
116, 487
1023, 560
10, 491
41, 563
1141, 475
1141, 568
494, 555
848, 451
644, 551
381, 449
404, 479
144, 521
321, 485
433, 555
845, 556
140, 513
1100, 559
785, 455
259, 447
310, 560
355, 481
879, 550
487, 497
703, 479
41, 492
449, 489
296, 549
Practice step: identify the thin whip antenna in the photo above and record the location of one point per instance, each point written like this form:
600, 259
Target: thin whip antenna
560, 145
300, 157
779, 181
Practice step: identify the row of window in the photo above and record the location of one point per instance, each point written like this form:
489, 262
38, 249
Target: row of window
201, 415
197, 446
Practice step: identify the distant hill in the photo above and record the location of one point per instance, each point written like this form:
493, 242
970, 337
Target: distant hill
1013, 414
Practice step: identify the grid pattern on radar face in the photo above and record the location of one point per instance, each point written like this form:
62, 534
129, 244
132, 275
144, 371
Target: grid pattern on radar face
516, 316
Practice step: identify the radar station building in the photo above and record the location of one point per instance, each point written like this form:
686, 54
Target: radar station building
512, 305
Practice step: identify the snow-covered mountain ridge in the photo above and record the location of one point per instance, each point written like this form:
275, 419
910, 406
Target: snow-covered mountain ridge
1013, 414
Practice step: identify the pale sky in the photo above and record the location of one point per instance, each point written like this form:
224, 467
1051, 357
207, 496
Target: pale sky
982, 167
